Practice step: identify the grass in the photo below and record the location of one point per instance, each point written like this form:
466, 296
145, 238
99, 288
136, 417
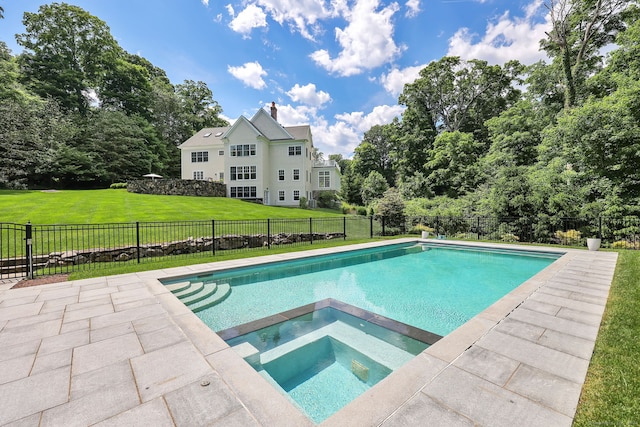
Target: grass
109, 206
610, 393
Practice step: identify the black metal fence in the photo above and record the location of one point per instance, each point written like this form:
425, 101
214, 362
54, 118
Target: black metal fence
34, 250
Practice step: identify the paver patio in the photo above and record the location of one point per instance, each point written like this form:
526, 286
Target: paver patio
122, 350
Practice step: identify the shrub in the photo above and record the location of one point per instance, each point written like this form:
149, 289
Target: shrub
304, 204
117, 185
569, 237
361, 210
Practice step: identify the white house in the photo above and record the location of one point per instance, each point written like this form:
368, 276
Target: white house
260, 160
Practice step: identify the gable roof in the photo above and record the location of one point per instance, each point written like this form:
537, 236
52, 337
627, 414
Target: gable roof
205, 137
269, 127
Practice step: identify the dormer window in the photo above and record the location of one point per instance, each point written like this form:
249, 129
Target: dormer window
207, 135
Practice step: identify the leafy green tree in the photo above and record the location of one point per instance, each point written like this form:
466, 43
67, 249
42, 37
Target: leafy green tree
373, 187
199, 108
126, 87
10, 87
66, 51
415, 186
580, 28
351, 184
375, 152
391, 207
454, 169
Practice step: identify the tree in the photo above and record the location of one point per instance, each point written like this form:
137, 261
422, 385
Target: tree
373, 187
391, 207
375, 152
579, 29
198, 106
66, 51
351, 184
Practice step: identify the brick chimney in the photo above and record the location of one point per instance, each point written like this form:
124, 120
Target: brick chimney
274, 111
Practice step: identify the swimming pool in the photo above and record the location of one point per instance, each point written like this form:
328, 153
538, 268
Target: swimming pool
427, 286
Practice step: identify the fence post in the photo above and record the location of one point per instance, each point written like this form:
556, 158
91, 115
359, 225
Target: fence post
371, 227
28, 238
268, 233
311, 229
478, 228
138, 240
383, 230
344, 228
600, 227
213, 237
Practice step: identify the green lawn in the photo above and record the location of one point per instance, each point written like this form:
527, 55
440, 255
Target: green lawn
107, 206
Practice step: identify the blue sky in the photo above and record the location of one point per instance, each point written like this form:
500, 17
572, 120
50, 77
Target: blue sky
337, 65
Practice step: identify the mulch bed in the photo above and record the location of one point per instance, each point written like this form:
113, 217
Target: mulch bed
45, 280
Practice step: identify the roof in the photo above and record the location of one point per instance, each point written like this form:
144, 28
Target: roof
299, 132
205, 138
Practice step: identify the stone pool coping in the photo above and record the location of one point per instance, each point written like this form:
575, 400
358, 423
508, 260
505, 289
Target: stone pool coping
122, 350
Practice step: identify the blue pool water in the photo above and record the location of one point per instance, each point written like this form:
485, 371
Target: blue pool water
432, 288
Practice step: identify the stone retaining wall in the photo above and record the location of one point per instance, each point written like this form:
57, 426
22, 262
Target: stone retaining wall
188, 246
177, 187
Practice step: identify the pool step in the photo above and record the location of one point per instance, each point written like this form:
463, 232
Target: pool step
177, 287
195, 288
207, 290
221, 293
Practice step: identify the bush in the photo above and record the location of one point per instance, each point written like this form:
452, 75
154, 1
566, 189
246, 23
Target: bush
327, 199
304, 204
569, 237
117, 185
361, 210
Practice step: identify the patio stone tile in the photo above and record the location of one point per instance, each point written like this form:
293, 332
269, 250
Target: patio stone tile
150, 414
135, 304
103, 353
136, 294
131, 286
104, 403
205, 340
150, 324
488, 404
14, 369
54, 304
172, 304
161, 338
106, 377
377, 404
51, 361
267, 405
422, 408
519, 329
61, 292
547, 389
10, 336
239, 418
580, 316
32, 320
30, 421
554, 291
487, 364
195, 405
126, 316
586, 307
23, 348
99, 292
566, 326
452, 345
78, 325
26, 299
111, 331
18, 311
168, 369
88, 312
567, 344
541, 307
99, 300
553, 361
19, 398
64, 341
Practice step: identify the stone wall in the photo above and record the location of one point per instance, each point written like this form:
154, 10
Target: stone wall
177, 187
182, 247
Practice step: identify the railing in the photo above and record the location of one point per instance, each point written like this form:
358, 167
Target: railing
33, 250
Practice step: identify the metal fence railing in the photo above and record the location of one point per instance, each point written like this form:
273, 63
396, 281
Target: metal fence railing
35, 250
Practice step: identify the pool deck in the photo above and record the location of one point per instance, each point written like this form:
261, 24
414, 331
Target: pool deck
122, 350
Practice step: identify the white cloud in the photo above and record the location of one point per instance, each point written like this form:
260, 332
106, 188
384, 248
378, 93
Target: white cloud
505, 39
230, 10
205, 2
308, 95
303, 15
380, 115
362, 48
251, 17
394, 81
413, 8
250, 74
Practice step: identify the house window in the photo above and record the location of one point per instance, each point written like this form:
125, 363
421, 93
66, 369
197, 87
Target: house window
248, 192
243, 150
242, 172
199, 156
281, 175
296, 194
221, 176
281, 195
296, 174
323, 179
198, 175
220, 152
295, 150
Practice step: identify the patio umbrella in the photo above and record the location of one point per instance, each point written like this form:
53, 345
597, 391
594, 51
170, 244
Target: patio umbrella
152, 176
